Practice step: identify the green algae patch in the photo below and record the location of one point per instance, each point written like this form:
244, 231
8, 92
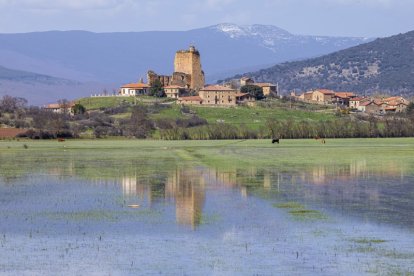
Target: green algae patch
369, 241
307, 214
289, 205
299, 211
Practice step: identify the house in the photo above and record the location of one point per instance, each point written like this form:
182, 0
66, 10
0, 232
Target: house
60, 108
268, 88
218, 95
174, 91
193, 100
306, 97
395, 107
372, 107
246, 81
355, 102
134, 89
323, 96
343, 98
398, 99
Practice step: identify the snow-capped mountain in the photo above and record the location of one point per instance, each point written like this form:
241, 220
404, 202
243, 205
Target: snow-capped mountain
275, 38
116, 58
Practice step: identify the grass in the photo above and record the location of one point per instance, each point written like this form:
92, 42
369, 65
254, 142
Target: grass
93, 103
298, 210
100, 157
251, 117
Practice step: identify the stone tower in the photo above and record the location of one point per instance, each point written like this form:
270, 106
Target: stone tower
189, 62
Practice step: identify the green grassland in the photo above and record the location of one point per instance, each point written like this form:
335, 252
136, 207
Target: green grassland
103, 157
251, 117
95, 103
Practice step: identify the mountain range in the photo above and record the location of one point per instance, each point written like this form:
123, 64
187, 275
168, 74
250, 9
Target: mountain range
90, 61
385, 65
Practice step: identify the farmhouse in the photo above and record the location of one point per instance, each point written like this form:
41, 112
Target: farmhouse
60, 108
134, 89
268, 88
174, 91
355, 102
343, 98
217, 95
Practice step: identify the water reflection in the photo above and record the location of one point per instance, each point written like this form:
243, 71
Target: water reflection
353, 188
374, 189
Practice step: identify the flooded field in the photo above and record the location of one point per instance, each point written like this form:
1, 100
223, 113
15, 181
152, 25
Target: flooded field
207, 207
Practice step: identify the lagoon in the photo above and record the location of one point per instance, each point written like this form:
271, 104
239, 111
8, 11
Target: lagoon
207, 207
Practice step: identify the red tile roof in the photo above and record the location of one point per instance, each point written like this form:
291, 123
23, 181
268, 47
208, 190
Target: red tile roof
217, 88
344, 94
358, 99
57, 105
190, 99
325, 91
241, 94
136, 85
365, 103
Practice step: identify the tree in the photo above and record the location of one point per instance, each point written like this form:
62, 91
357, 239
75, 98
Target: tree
157, 89
140, 125
410, 108
253, 90
12, 104
79, 109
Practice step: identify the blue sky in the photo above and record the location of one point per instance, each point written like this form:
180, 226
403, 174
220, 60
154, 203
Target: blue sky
368, 18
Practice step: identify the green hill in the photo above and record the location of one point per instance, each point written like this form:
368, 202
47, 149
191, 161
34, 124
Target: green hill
384, 65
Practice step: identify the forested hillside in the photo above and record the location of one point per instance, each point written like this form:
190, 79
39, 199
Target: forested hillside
385, 65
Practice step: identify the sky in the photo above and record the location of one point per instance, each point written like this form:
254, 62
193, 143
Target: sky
363, 18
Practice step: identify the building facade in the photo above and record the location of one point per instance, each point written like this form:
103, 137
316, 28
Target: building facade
134, 89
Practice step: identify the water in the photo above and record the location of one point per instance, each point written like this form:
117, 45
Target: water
75, 215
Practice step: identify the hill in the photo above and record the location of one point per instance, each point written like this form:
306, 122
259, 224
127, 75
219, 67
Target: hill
383, 65
24, 76
125, 57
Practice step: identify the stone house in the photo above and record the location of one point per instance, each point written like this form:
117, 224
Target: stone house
343, 98
268, 88
193, 100
355, 102
246, 81
60, 108
323, 96
216, 95
372, 107
174, 91
134, 89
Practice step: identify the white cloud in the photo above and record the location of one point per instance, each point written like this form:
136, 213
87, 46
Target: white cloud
62, 4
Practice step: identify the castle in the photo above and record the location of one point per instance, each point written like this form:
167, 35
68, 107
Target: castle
187, 71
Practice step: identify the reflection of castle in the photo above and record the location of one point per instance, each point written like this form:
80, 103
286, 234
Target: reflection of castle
187, 188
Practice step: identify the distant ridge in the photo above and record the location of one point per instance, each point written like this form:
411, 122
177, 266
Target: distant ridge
23, 76
384, 65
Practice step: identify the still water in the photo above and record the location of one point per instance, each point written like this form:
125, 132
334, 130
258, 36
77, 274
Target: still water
68, 214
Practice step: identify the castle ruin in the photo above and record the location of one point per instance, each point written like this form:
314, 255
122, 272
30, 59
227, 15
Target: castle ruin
187, 71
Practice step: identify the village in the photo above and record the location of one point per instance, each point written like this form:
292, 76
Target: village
186, 86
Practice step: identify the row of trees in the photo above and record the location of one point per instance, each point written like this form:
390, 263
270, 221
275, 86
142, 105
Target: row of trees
141, 124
